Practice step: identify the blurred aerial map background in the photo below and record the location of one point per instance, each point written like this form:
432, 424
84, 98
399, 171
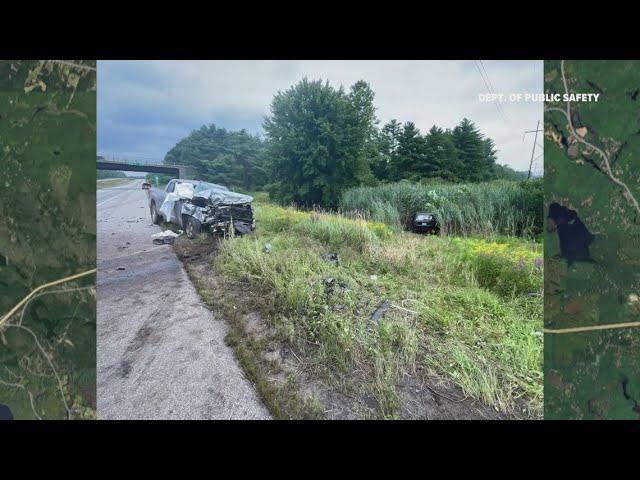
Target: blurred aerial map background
592, 166
47, 233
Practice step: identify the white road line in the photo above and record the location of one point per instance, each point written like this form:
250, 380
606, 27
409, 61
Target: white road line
110, 198
124, 190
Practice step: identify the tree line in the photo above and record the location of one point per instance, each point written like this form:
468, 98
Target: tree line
320, 140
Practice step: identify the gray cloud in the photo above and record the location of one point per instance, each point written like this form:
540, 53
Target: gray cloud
145, 107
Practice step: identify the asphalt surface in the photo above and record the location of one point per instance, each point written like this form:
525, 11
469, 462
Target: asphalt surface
161, 353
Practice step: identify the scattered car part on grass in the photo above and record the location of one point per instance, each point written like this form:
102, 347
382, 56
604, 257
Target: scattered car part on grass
425, 222
197, 206
331, 285
380, 310
330, 258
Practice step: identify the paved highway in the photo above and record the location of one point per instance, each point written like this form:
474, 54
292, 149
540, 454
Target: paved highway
161, 353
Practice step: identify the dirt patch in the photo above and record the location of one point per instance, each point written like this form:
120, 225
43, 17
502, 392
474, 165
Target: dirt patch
196, 251
430, 397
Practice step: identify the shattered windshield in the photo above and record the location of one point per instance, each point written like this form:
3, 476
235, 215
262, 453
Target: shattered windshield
206, 186
216, 195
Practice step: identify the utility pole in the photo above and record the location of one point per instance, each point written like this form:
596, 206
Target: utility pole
533, 151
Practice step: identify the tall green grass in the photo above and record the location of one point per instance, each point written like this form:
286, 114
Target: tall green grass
466, 308
491, 208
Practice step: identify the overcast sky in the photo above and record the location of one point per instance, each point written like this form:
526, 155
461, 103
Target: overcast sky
145, 107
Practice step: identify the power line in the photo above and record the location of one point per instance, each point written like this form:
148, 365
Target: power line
485, 74
490, 90
491, 85
484, 80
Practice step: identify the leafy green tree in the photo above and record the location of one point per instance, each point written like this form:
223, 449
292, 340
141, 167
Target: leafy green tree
361, 98
317, 138
233, 159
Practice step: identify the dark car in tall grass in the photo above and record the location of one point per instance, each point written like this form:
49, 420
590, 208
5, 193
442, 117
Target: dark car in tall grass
425, 222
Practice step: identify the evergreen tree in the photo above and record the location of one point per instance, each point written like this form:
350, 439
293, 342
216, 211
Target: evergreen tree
410, 153
441, 155
490, 157
471, 151
387, 140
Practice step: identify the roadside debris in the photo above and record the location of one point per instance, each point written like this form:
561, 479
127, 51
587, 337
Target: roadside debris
166, 237
330, 258
241, 228
267, 248
380, 310
333, 286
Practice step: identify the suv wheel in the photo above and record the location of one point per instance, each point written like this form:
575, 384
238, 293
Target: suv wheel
192, 227
155, 218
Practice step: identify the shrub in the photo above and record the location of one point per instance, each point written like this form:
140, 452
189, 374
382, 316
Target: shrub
503, 268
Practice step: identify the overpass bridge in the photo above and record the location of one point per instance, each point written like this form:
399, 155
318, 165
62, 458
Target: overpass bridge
176, 171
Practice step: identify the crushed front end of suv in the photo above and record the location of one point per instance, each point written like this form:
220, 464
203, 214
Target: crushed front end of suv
218, 210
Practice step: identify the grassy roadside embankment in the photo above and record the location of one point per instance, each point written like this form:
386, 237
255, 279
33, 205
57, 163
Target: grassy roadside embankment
460, 336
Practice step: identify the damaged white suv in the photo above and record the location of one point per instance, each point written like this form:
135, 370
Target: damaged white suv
197, 206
